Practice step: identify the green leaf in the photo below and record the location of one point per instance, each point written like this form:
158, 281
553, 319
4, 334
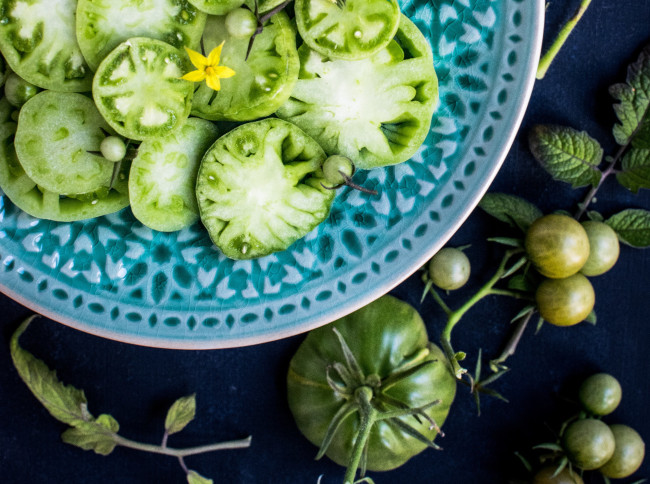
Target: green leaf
632, 227
194, 477
65, 403
507, 241
591, 318
635, 169
180, 414
510, 209
568, 155
633, 110
98, 435
593, 215
549, 446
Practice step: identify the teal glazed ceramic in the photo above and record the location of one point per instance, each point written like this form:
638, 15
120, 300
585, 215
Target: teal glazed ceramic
115, 278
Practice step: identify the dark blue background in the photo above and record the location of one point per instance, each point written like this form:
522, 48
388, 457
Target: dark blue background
242, 391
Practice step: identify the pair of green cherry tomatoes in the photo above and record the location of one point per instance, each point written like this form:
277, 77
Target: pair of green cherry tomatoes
616, 451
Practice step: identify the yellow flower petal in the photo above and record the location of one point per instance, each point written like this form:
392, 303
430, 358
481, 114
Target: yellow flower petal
215, 55
194, 76
213, 82
223, 72
197, 59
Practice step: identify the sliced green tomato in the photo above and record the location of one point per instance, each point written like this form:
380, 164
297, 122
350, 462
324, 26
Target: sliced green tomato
103, 24
376, 111
41, 203
139, 90
57, 131
162, 182
38, 40
260, 188
261, 84
222, 7
354, 31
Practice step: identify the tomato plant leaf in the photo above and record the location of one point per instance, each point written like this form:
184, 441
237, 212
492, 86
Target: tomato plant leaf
507, 241
632, 226
568, 155
194, 477
635, 169
97, 435
593, 215
64, 402
510, 209
180, 414
633, 109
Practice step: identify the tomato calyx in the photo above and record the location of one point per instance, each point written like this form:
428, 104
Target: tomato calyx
366, 396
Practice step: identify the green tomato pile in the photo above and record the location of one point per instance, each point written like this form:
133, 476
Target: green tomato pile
564, 252
588, 443
96, 115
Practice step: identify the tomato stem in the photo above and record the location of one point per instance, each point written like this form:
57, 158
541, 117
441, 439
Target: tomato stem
453, 317
159, 449
368, 415
563, 35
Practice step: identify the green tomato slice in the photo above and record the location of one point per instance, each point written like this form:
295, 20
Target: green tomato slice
139, 90
38, 40
162, 181
376, 111
104, 24
260, 188
261, 84
41, 203
57, 133
222, 7
353, 31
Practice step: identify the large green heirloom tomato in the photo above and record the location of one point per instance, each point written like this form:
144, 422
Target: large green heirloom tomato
398, 366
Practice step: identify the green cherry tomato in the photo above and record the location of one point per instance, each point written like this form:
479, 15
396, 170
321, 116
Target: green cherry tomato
603, 248
449, 269
546, 476
18, 91
387, 338
113, 148
565, 302
628, 454
241, 23
600, 394
589, 443
557, 245
336, 168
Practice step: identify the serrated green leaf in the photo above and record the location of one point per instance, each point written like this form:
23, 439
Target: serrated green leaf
180, 414
568, 155
633, 109
510, 209
97, 435
632, 226
194, 477
64, 402
635, 170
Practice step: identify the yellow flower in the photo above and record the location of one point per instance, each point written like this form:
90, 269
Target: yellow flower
208, 68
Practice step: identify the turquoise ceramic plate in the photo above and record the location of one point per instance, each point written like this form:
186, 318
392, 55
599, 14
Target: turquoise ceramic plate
113, 277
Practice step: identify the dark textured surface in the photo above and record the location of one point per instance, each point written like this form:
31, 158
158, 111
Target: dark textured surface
242, 391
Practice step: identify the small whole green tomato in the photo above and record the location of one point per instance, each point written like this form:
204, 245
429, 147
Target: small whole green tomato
449, 269
588, 443
600, 394
557, 245
565, 302
241, 23
113, 148
546, 476
628, 454
336, 168
18, 91
603, 248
